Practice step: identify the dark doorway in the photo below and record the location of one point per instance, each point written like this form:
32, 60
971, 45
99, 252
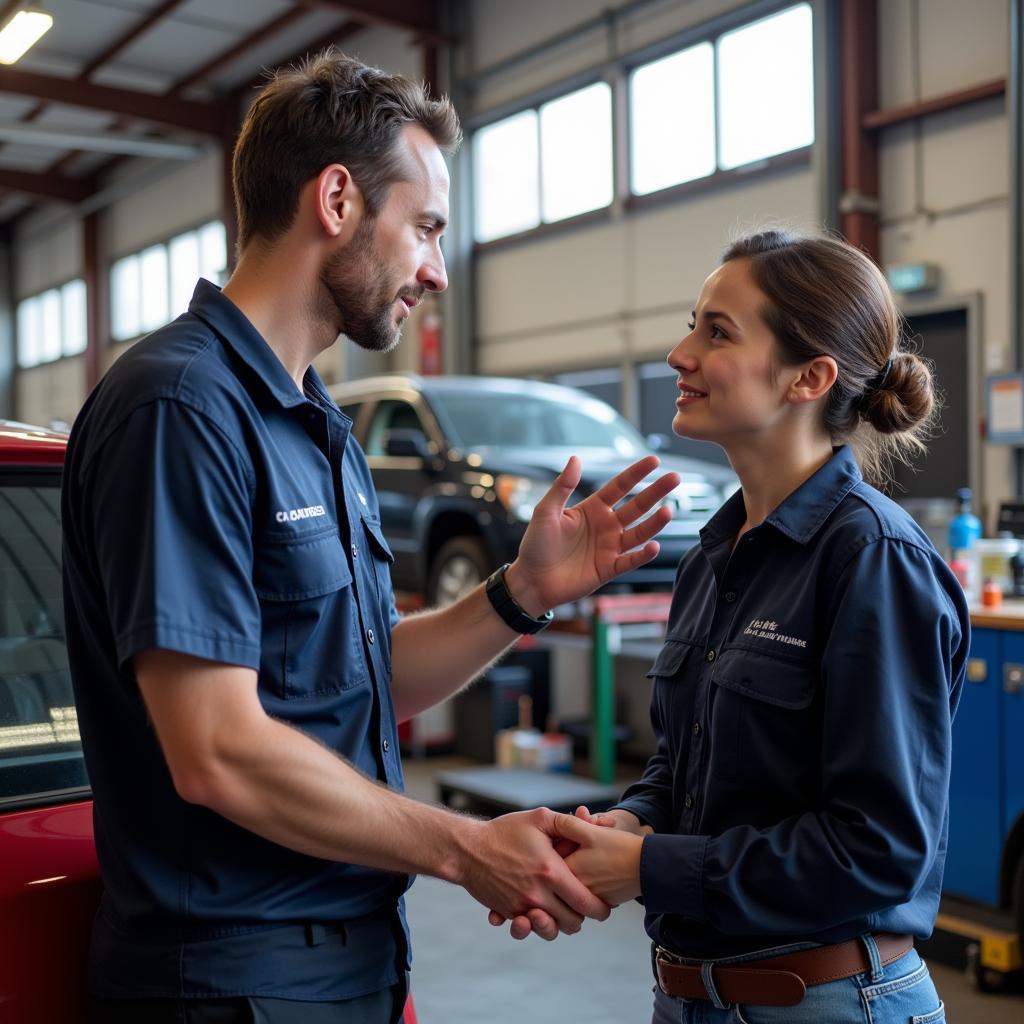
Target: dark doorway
942, 338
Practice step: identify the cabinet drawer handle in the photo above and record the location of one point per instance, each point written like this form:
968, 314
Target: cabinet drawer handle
1013, 677
977, 670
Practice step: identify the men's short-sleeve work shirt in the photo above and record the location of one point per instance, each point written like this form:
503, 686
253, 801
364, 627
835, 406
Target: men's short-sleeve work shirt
212, 508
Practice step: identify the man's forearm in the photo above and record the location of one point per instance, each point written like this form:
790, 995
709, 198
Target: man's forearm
283, 785
434, 654
300, 795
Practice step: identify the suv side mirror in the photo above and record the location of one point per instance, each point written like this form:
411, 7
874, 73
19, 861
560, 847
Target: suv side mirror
406, 444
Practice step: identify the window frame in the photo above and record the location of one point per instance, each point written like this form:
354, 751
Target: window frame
37, 297
616, 72
163, 242
711, 32
565, 88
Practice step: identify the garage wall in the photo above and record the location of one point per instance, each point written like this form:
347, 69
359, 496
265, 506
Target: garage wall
945, 180
171, 197
618, 291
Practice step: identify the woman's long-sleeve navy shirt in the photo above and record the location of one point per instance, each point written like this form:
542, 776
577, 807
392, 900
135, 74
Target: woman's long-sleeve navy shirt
802, 705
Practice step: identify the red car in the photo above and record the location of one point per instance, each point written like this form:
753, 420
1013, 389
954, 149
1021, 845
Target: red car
49, 877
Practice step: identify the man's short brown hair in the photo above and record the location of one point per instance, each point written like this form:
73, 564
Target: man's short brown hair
329, 109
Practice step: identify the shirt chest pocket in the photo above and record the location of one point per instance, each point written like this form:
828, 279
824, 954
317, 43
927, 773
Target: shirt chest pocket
765, 720
311, 642
672, 691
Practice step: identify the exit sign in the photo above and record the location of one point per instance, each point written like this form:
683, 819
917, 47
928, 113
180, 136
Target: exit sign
913, 277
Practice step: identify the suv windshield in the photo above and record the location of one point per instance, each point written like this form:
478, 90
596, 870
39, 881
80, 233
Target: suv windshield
40, 750
488, 420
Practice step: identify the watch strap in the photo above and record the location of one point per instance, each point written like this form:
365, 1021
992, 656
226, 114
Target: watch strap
509, 609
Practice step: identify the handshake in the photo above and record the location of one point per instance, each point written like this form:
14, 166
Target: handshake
545, 872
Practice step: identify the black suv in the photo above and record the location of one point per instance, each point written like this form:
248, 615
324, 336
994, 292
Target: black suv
460, 462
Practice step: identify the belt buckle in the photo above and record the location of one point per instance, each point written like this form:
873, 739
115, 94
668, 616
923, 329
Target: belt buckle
661, 953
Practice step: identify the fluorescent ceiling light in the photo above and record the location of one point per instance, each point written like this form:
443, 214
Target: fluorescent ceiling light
23, 31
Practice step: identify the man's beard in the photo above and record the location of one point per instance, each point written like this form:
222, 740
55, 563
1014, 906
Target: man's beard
362, 306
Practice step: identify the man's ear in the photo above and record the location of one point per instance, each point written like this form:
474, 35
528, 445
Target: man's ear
815, 379
337, 200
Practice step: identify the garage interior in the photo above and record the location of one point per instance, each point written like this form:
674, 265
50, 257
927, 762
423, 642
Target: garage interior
612, 147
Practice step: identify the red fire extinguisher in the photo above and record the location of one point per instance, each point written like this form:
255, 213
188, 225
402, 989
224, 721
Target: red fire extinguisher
430, 339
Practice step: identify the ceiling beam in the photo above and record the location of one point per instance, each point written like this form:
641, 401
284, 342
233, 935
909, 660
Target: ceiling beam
419, 16
173, 112
141, 27
236, 50
333, 38
47, 186
64, 136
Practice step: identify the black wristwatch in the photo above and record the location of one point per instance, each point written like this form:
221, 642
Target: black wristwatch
508, 608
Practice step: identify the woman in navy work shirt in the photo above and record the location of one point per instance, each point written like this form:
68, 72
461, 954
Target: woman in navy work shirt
787, 838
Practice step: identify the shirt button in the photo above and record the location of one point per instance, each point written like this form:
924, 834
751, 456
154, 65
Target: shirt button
355, 551
688, 801
730, 596
369, 635
696, 728
710, 656
386, 746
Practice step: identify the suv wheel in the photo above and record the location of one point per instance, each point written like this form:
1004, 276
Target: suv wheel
460, 565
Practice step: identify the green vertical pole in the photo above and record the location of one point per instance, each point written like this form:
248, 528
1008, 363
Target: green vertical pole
602, 735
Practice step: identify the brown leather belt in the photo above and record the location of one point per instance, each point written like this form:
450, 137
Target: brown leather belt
778, 980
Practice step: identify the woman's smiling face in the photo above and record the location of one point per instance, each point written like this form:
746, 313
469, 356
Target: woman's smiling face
727, 366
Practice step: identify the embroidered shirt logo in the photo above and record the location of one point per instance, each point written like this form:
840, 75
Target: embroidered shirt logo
765, 629
293, 515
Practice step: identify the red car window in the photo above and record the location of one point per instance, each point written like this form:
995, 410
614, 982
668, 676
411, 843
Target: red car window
40, 750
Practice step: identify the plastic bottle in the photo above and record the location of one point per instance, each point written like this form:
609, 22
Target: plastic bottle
993, 557
991, 594
964, 530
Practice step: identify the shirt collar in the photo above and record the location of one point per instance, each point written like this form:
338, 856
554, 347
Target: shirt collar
214, 308
802, 513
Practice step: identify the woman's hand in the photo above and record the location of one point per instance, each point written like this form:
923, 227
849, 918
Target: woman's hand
537, 921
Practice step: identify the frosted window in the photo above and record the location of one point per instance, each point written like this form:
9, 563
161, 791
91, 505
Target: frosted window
505, 177
766, 88
184, 257
29, 332
125, 299
213, 247
76, 330
50, 340
672, 120
153, 283
576, 152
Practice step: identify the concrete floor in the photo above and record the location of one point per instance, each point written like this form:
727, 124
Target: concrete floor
465, 971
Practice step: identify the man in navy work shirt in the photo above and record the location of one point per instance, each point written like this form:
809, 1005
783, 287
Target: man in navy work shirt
238, 662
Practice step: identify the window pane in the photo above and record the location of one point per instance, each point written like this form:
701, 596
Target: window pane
50, 338
505, 177
658, 394
672, 120
213, 248
576, 152
125, 299
605, 384
40, 749
75, 327
184, 256
29, 331
153, 283
766, 88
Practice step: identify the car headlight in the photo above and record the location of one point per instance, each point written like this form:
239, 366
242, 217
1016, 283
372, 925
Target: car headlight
520, 494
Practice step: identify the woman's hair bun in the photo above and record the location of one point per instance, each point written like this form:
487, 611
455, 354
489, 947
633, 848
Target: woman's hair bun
905, 399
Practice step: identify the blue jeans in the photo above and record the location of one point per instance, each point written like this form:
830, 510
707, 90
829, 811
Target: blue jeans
900, 993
